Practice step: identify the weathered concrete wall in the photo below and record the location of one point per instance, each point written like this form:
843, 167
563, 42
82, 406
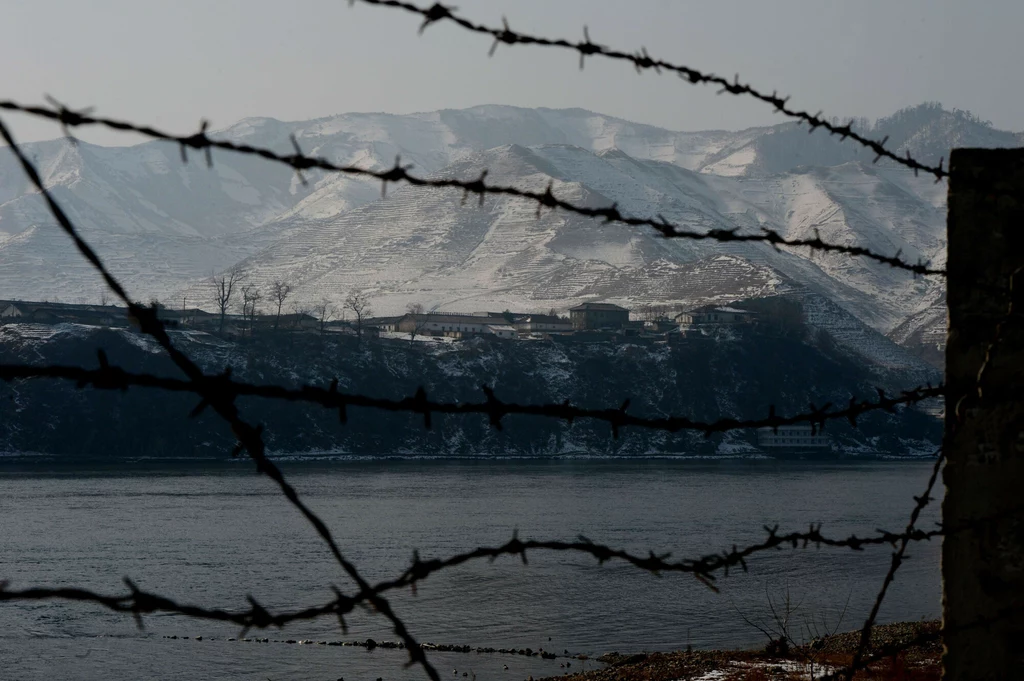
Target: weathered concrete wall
983, 568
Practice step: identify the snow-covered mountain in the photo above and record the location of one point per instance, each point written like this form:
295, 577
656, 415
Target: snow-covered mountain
164, 226
423, 246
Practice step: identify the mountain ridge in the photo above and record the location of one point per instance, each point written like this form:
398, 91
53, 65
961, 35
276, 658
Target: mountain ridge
166, 226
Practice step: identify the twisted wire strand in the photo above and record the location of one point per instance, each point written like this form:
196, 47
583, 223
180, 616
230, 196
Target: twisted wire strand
642, 61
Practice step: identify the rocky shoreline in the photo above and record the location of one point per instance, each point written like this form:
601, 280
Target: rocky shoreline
919, 658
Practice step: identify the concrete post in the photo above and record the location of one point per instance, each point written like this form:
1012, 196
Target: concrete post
983, 569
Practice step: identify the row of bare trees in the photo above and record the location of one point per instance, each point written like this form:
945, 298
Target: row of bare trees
227, 285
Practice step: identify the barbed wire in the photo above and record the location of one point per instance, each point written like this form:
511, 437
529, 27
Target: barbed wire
705, 568
643, 61
220, 392
250, 438
886, 650
859, 657
400, 173
138, 602
214, 393
894, 648
225, 387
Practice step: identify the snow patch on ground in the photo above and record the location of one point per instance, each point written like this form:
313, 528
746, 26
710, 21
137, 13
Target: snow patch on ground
794, 671
142, 342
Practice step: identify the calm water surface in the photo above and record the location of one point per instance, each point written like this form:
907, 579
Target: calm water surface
214, 535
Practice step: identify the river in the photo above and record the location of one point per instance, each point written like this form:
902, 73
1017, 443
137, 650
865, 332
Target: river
213, 534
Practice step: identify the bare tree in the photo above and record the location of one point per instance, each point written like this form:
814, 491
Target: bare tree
419, 318
251, 297
223, 290
360, 306
647, 313
324, 311
780, 630
279, 292
299, 310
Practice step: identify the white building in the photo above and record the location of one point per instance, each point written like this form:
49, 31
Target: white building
712, 315
542, 323
792, 438
456, 325
501, 330
9, 311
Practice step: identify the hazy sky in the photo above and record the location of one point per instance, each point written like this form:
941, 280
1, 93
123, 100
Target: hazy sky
172, 62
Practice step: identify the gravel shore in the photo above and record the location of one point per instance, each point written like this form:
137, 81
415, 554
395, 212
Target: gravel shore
920, 661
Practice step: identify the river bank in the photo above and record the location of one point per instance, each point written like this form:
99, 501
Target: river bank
919, 645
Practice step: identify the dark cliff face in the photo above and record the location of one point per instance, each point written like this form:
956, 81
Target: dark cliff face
704, 378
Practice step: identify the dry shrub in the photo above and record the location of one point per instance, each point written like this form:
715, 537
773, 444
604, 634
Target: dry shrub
756, 674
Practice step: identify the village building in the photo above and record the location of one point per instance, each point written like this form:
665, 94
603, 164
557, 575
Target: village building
9, 312
714, 315
501, 330
455, 325
289, 321
659, 326
597, 319
542, 323
383, 324
191, 317
62, 313
793, 438
594, 316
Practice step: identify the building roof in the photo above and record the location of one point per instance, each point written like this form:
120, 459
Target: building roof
717, 308
607, 307
793, 428
455, 318
190, 312
296, 317
67, 308
93, 310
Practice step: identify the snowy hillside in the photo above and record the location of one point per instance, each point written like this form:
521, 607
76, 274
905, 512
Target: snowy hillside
424, 246
927, 131
925, 333
164, 225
